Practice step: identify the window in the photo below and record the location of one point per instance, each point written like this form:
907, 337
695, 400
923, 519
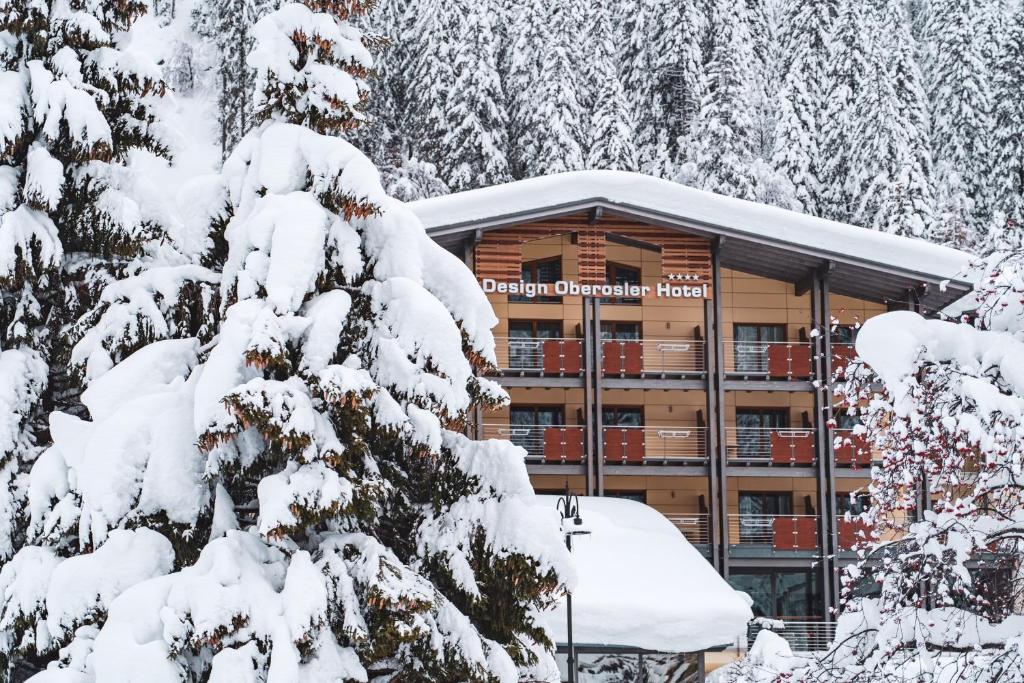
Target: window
612, 331
757, 511
546, 271
752, 342
544, 416
845, 420
753, 430
843, 334
622, 417
856, 505
638, 496
777, 594
618, 274
525, 348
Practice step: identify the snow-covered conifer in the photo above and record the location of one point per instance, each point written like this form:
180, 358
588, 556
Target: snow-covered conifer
475, 139
957, 80
226, 25
295, 501
1008, 143
612, 139
530, 36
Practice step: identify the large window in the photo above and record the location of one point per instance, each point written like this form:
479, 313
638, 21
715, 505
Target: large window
622, 417
843, 334
525, 345
781, 594
615, 331
753, 430
757, 513
546, 271
618, 274
752, 343
855, 505
544, 416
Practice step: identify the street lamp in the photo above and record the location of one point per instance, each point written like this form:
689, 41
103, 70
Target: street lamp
572, 525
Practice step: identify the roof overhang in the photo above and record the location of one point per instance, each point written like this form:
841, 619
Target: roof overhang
868, 273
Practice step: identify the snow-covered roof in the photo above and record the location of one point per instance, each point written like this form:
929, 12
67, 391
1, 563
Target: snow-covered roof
762, 233
642, 585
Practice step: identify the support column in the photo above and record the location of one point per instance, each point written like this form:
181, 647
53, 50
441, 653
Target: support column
821, 322
588, 397
598, 394
711, 335
719, 458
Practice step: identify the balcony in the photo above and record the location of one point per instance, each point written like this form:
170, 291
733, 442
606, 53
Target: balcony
773, 533
564, 444
652, 357
524, 356
851, 450
768, 360
762, 446
842, 356
804, 634
694, 527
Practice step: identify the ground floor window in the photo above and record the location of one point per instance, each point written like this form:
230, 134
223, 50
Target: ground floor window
781, 594
633, 668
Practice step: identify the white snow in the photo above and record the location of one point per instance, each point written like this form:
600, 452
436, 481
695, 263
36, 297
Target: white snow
674, 201
641, 584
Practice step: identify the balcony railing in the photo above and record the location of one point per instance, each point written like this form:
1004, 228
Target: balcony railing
769, 360
564, 444
552, 444
652, 357
852, 533
632, 445
778, 532
693, 526
851, 449
755, 445
842, 355
551, 357
803, 636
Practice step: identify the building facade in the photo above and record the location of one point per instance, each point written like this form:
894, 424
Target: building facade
678, 348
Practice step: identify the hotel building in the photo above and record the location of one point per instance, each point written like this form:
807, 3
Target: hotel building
677, 348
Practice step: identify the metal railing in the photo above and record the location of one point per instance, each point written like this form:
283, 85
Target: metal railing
535, 356
852, 533
852, 449
652, 357
780, 532
803, 635
769, 360
758, 445
554, 444
679, 443
693, 526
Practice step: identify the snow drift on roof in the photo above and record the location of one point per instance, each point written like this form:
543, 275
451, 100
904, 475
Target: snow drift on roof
642, 585
673, 201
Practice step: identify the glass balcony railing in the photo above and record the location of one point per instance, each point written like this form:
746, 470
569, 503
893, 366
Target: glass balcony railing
775, 532
564, 357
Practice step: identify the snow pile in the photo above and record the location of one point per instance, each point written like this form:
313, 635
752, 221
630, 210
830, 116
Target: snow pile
642, 585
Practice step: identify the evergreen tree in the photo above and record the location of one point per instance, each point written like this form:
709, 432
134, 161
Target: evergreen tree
429, 68
957, 81
521, 69
226, 25
848, 69
474, 149
803, 100
612, 144
296, 501
551, 118
890, 161
1008, 145
75, 215
723, 140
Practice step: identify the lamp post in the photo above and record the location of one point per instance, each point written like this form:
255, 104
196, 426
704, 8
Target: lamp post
569, 506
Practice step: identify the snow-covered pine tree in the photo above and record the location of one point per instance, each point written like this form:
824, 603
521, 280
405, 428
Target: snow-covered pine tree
890, 161
226, 25
474, 150
75, 212
429, 70
802, 101
847, 71
520, 70
636, 66
296, 501
958, 83
550, 115
722, 144
612, 139
1008, 143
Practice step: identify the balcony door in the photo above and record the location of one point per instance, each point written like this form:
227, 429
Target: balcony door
781, 594
753, 430
527, 425
757, 512
751, 345
622, 417
526, 342
543, 271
